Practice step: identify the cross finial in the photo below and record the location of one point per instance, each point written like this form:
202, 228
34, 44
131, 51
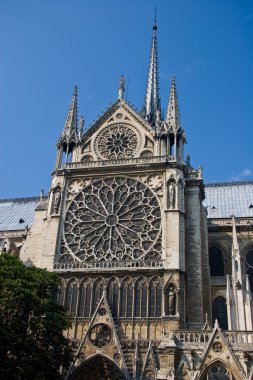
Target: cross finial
155, 26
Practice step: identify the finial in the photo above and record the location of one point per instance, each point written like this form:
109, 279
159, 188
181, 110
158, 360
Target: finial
81, 125
75, 90
41, 195
121, 87
155, 26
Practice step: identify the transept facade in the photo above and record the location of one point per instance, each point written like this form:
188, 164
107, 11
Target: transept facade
158, 283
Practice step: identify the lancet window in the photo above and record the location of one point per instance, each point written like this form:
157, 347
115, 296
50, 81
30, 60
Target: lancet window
216, 261
113, 296
84, 298
140, 309
97, 293
219, 311
126, 298
71, 297
155, 298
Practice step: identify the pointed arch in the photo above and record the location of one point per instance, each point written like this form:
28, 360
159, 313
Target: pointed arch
126, 304
155, 297
219, 312
61, 292
113, 295
216, 261
218, 369
171, 192
97, 293
85, 292
71, 296
141, 293
97, 367
170, 298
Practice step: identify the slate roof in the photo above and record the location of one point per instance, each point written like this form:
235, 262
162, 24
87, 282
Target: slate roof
231, 198
222, 200
16, 214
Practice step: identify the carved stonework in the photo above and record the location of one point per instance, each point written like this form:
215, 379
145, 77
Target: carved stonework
155, 181
56, 200
117, 141
171, 194
112, 219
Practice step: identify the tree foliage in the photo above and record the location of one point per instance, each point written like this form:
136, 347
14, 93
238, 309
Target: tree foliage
32, 344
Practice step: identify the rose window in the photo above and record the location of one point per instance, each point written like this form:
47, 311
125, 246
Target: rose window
112, 219
119, 141
100, 335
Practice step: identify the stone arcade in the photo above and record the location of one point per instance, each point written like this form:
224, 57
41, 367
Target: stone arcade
158, 279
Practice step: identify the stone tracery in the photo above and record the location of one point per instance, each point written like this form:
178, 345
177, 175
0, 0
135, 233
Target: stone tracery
117, 141
112, 219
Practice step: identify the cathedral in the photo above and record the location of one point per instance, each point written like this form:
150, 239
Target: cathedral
156, 267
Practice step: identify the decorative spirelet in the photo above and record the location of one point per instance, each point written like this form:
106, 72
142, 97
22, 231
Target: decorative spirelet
112, 219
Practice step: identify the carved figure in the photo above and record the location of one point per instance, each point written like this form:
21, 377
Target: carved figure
172, 300
57, 201
171, 194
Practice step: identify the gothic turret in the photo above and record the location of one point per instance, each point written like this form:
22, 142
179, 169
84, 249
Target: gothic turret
173, 114
152, 99
69, 137
171, 135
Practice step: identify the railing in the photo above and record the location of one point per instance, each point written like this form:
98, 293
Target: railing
227, 222
75, 265
239, 337
121, 162
188, 336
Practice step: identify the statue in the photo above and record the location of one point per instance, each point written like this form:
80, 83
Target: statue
171, 194
121, 87
172, 300
57, 201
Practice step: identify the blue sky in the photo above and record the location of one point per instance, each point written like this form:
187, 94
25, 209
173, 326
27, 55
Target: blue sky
48, 46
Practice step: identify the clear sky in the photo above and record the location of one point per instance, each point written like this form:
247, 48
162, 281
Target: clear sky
48, 46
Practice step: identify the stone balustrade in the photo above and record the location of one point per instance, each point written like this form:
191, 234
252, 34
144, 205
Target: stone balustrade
107, 265
120, 162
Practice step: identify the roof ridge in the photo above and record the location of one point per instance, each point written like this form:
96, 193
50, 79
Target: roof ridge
233, 183
24, 199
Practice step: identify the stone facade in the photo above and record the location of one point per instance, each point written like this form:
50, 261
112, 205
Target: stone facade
157, 289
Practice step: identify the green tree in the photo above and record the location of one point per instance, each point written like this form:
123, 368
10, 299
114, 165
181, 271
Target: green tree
32, 344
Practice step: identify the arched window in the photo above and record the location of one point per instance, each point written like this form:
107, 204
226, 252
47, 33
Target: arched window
113, 296
219, 311
216, 261
97, 293
61, 292
71, 297
85, 299
249, 267
140, 307
218, 372
155, 298
126, 306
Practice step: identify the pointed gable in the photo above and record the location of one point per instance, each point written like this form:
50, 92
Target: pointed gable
101, 338
119, 133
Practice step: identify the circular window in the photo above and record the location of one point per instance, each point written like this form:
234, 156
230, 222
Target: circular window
100, 335
112, 219
117, 141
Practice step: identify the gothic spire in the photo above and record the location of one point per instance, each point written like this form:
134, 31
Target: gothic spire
152, 98
70, 128
173, 114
